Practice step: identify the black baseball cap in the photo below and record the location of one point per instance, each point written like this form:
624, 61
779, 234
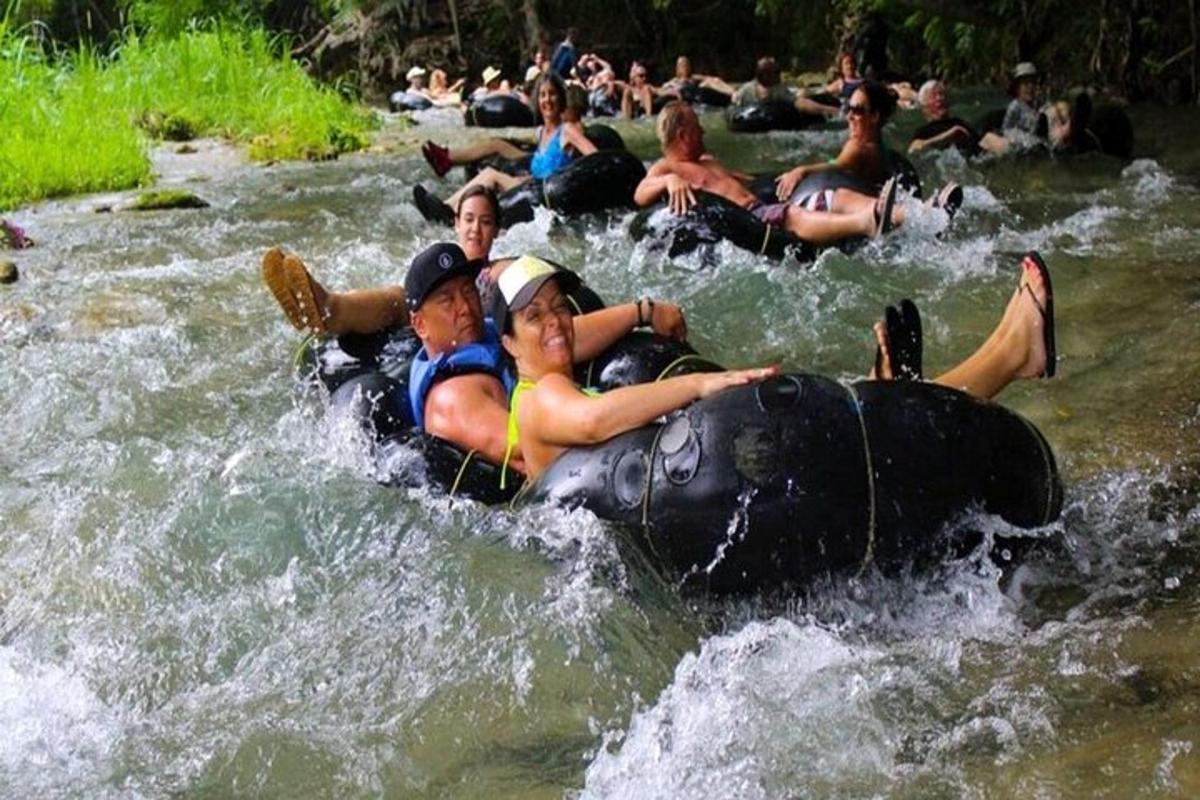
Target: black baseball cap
432, 267
521, 280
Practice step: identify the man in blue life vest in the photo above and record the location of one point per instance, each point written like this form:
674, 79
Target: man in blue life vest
459, 383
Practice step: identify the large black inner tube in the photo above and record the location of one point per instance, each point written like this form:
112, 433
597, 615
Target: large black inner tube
603, 180
772, 484
763, 186
499, 111
704, 96
769, 116
405, 100
712, 220
756, 487
1110, 130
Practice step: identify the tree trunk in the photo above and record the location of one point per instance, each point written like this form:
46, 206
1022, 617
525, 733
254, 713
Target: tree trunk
534, 32
1195, 52
454, 22
961, 10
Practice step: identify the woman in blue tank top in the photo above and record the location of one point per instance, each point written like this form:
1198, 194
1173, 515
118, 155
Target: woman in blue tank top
558, 142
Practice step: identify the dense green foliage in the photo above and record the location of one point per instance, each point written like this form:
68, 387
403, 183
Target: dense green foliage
58, 136
79, 121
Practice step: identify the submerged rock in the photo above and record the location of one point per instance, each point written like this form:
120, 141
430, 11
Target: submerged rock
13, 236
166, 198
168, 127
8, 272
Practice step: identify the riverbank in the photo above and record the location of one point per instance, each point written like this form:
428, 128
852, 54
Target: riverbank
85, 121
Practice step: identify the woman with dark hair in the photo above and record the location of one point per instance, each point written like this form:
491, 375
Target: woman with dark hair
548, 410
847, 78
864, 163
311, 307
558, 142
862, 157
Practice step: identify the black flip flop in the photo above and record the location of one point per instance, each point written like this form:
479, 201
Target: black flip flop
912, 345
1047, 311
883, 222
952, 201
431, 207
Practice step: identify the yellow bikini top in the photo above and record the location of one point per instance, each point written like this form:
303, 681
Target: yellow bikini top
514, 435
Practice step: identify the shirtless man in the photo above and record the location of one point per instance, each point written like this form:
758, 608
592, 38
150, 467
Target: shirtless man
686, 168
685, 79
638, 95
766, 88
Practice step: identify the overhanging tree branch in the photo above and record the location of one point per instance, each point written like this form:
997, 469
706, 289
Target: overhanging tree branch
970, 11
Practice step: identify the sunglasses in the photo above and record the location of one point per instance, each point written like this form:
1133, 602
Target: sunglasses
855, 110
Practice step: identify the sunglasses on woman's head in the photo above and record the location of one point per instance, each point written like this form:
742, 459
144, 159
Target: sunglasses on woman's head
855, 110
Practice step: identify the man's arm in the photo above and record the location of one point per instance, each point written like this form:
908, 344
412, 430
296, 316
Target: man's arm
846, 161
661, 179
470, 412
944, 139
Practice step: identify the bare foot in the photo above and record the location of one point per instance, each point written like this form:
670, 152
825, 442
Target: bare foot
882, 371
1028, 321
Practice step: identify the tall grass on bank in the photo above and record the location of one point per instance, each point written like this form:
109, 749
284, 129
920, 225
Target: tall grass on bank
54, 138
79, 123
231, 82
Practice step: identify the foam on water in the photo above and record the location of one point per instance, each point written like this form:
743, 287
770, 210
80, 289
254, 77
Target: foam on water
203, 591
59, 737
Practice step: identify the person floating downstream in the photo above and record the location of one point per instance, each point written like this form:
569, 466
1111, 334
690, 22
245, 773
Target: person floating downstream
639, 94
766, 88
441, 301
685, 79
686, 168
492, 85
558, 142
863, 157
550, 412
1021, 115
942, 130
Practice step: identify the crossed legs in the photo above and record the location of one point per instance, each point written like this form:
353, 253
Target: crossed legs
1019, 346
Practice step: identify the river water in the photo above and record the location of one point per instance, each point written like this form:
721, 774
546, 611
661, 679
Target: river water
204, 594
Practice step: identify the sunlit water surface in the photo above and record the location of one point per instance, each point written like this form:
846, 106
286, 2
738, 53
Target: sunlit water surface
203, 593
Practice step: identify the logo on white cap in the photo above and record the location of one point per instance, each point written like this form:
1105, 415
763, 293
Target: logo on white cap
519, 273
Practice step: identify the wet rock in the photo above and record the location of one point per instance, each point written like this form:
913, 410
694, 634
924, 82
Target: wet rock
168, 127
8, 272
165, 199
13, 236
185, 150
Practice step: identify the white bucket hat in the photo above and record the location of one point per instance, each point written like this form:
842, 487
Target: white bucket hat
1025, 69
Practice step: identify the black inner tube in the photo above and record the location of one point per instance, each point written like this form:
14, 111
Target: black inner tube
712, 220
